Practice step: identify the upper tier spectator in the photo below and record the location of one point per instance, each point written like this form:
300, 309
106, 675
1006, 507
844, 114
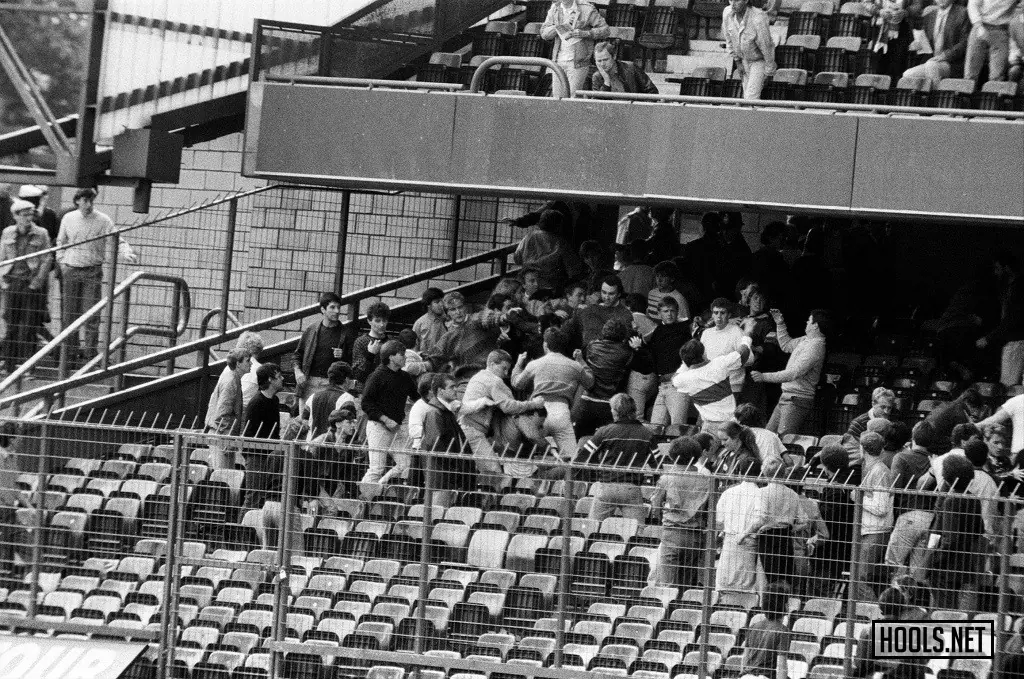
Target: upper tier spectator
749, 42
431, 325
617, 76
23, 283
574, 26
81, 262
990, 35
1016, 61
586, 324
947, 29
544, 249
321, 345
1009, 333
802, 372
893, 34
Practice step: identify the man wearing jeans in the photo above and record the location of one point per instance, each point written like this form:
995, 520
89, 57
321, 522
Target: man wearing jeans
990, 36
384, 397
574, 26
622, 449
82, 237
803, 370
749, 41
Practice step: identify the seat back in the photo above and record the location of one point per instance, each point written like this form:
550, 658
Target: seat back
879, 82
832, 78
791, 76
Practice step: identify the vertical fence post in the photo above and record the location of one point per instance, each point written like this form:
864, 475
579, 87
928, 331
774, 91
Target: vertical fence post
456, 226
568, 509
40, 524
339, 271
282, 588
710, 545
168, 621
108, 312
851, 586
123, 351
429, 480
229, 256
1005, 518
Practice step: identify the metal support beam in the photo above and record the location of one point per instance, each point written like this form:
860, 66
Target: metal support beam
339, 272
88, 109
229, 254
32, 97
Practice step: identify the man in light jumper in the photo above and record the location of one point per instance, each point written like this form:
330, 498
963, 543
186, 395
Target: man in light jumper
722, 338
556, 378
490, 384
83, 235
803, 370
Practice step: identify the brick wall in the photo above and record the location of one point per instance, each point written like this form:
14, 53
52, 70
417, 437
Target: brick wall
286, 241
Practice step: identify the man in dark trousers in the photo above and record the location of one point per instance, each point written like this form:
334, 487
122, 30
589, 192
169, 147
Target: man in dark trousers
617, 76
263, 421
384, 398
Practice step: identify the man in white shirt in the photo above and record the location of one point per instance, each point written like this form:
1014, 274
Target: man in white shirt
575, 26
990, 36
1012, 411
83, 236
722, 338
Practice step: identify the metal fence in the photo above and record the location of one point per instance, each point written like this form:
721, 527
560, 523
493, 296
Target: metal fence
541, 567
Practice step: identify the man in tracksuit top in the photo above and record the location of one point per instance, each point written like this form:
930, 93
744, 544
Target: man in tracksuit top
384, 398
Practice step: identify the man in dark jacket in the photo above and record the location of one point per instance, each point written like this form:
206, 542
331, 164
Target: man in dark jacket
617, 76
384, 399
1009, 334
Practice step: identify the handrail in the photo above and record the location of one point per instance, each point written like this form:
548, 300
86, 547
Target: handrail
796, 105
204, 325
361, 82
556, 71
201, 345
125, 285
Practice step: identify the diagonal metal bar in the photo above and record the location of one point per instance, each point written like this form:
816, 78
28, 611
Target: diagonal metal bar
32, 96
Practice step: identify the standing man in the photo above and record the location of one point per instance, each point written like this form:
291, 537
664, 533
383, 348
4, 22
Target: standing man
706, 381
321, 345
1010, 332
83, 232
990, 36
623, 449
574, 26
366, 349
23, 283
263, 421
384, 397
587, 323
750, 43
431, 325
556, 378
618, 76
723, 337
489, 384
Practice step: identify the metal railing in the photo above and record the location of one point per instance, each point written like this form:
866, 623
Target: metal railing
179, 314
437, 561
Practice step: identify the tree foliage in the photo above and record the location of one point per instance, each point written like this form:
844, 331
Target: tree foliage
53, 48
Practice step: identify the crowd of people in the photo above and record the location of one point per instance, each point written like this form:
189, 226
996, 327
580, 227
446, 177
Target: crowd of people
976, 39
569, 364
30, 267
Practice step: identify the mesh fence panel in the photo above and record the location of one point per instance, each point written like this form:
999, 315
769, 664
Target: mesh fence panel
292, 554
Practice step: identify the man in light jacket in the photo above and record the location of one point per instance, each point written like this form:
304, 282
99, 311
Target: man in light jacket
750, 43
574, 26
